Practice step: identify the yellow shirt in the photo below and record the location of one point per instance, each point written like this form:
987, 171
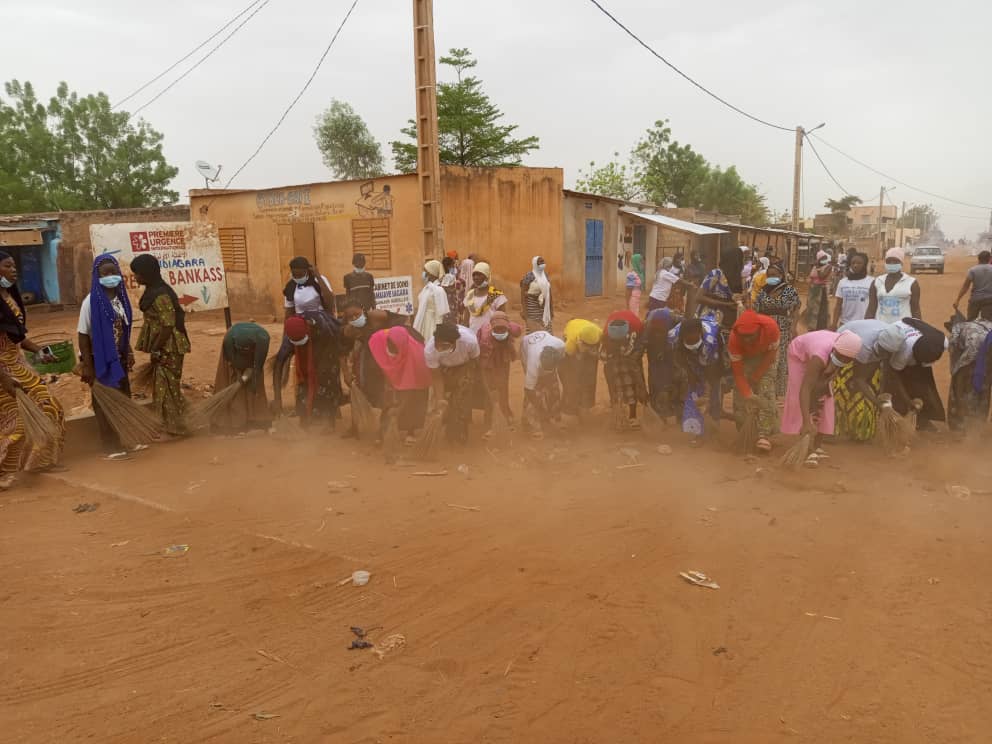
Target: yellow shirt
573, 330
757, 283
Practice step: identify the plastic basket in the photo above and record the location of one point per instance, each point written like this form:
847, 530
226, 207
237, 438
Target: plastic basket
65, 359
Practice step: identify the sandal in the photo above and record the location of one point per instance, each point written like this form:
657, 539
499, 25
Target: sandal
812, 462
763, 445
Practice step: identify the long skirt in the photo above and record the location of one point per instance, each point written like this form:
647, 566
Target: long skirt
823, 405
625, 379
15, 452
578, 374
919, 383
765, 394
692, 391
464, 390
250, 407
167, 393
543, 403
817, 306
497, 380
965, 405
661, 380
782, 365
634, 303
856, 417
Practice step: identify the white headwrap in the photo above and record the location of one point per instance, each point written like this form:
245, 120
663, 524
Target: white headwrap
544, 287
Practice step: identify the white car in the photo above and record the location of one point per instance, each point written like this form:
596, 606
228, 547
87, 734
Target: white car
926, 258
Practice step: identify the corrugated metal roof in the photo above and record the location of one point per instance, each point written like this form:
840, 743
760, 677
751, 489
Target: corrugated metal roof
29, 225
773, 230
673, 224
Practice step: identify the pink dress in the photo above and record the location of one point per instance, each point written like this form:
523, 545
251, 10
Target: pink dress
801, 350
634, 285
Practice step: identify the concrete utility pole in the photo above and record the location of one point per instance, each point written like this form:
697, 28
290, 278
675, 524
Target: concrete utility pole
428, 157
902, 217
881, 242
797, 178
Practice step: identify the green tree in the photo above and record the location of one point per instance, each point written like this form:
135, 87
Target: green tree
922, 216
725, 191
348, 148
613, 180
842, 205
668, 171
75, 153
469, 131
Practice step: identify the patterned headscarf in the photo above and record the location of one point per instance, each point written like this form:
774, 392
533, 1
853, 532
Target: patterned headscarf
107, 363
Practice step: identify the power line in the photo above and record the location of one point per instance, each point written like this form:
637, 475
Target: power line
200, 61
901, 183
299, 95
193, 51
826, 169
701, 87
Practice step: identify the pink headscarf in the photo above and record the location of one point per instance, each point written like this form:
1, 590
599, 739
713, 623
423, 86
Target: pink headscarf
847, 344
407, 370
896, 253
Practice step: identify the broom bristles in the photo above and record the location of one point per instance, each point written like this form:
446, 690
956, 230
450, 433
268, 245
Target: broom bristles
134, 424
201, 414
749, 430
362, 413
653, 423
796, 454
426, 447
391, 436
895, 432
39, 430
143, 377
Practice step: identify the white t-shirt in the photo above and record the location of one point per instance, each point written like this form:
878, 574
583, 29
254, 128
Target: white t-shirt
466, 349
306, 299
530, 354
85, 325
663, 283
904, 357
894, 305
853, 294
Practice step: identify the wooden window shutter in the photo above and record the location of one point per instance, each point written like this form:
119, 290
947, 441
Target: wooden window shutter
234, 248
371, 237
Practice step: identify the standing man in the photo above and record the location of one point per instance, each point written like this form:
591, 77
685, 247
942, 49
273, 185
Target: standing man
359, 285
979, 281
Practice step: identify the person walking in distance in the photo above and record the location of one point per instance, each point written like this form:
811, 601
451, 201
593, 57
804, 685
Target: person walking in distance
979, 281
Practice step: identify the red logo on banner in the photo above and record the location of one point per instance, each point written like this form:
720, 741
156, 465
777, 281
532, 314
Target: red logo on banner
139, 242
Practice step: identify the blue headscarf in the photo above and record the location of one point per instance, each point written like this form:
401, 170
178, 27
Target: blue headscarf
978, 376
107, 362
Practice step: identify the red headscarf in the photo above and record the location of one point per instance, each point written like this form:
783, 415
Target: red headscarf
634, 323
750, 323
407, 370
296, 329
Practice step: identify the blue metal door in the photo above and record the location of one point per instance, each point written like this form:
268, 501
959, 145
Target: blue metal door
594, 258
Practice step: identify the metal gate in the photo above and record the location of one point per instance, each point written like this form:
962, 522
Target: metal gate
594, 258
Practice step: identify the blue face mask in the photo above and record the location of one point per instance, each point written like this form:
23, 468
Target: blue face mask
423, 275
5, 282
501, 336
836, 360
359, 322
773, 281
893, 268
111, 282
301, 280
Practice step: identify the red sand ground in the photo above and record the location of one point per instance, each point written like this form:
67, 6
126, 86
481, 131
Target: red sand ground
853, 602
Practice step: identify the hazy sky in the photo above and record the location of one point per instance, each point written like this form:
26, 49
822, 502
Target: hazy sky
902, 86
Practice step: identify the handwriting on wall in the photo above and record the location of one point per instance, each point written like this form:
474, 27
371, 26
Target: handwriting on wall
286, 206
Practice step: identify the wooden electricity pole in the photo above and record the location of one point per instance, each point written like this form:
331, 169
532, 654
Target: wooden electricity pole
797, 179
428, 158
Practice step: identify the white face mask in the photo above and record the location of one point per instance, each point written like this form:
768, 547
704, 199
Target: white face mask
300, 342
695, 346
300, 281
501, 336
893, 268
836, 360
5, 282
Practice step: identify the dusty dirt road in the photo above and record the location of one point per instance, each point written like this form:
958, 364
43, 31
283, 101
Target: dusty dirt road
854, 601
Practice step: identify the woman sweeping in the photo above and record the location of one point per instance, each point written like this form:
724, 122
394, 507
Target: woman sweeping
400, 356
163, 336
497, 350
453, 358
104, 333
15, 374
912, 383
578, 370
540, 354
814, 360
971, 365
661, 360
635, 284
666, 282
622, 353
716, 296
242, 355
753, 348
818, 303
535, 297
698, 360
318, 372
432, 303
483, 299
779, 300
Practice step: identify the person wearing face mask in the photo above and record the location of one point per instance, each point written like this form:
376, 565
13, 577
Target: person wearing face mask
814, 360
359, 285
104, 333
15, 374
780, 300
540, 354
242, 356
452, 354
622, 352
661, 360
453, 288
753, 350
535, 297
758, 280
817, 302
318, 373
698, 360
579, 369
407, 379
497, 350
432, 303
635, 283
483, 299
857, 387
305, 292
911, 382
894, 295
852, 292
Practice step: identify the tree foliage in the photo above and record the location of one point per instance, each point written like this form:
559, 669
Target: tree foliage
664, 171
842, 205
348, 148
469, 128
75, 153
922, 216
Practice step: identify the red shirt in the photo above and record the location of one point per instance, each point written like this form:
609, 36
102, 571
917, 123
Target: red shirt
765, 345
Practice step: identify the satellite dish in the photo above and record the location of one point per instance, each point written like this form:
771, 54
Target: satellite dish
209, 172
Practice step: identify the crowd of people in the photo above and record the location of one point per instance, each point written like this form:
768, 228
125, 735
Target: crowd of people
739, 328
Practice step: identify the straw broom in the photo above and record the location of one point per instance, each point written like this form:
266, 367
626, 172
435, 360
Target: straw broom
894, 432
134, 424
362, 413
391, 435
653, 423
426, 447
39, 430
749, 429
796, 455
201, 414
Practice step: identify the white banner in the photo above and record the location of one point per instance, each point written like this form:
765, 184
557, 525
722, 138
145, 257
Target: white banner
394, 293
188, 252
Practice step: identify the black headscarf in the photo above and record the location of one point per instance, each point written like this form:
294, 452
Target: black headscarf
291, 286
150, 271
732, 264
930, 346
10, 324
